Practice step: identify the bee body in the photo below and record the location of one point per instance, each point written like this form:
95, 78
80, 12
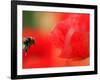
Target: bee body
27, 42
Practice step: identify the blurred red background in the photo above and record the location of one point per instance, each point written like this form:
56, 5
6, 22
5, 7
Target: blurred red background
62, 39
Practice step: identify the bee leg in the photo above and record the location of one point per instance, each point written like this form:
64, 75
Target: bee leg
25, 50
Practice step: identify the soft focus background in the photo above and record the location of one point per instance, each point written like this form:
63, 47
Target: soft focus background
52, 27
42, 20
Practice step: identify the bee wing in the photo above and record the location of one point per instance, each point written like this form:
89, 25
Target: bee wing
23, 46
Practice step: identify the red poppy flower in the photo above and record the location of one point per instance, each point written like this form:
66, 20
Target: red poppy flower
72, 36
77, 46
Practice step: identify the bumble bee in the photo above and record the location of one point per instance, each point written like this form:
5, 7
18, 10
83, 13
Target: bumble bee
27, 42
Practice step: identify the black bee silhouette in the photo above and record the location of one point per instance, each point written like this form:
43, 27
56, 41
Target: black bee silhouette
27, 42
